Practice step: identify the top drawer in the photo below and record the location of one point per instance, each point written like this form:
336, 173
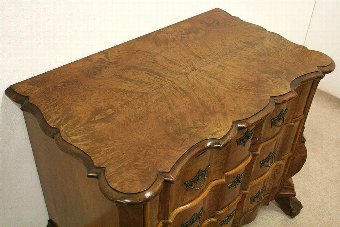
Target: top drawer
286, 111
192, 179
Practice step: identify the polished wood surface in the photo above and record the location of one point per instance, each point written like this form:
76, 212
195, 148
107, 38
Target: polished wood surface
126, 106
72, 199
199, 122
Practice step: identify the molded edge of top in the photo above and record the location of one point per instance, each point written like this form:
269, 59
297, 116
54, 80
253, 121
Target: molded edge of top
144, 196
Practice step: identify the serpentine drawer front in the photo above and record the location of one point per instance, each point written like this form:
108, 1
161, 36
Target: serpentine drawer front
199, 123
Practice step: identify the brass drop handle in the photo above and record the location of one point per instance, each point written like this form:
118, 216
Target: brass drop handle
198, 180
279, 118
194, 218
269, 160
259, 196
247, 136
237, 180
228, 218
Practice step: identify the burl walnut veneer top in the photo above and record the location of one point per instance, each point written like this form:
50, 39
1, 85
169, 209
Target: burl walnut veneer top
136, 108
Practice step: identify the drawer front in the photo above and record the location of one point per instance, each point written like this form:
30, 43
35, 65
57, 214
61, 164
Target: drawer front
287, 138
192, 180
267, 156
286, 112
274, 179
256, 194
297, 105
274, 121
223, 217
261, 188
234, 179
205, 211
202, 208
238, 148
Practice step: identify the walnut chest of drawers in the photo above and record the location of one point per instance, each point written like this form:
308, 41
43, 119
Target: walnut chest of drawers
199, 123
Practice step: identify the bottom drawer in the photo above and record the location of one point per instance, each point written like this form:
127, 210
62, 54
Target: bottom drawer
215, 203
223, 217
207, 207
200, 209
262, 187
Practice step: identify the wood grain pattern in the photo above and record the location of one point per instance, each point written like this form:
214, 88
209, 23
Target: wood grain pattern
135, 113
216, 194
71, 199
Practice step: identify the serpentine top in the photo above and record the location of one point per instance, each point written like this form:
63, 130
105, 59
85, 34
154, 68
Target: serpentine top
136, 108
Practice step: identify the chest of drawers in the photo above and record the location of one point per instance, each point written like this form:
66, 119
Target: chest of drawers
199, 123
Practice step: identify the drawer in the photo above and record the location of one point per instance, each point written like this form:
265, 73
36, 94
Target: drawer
262, 187
287, 138
274, 121
223, 217
276, 174
267, 155
202, 208
234, 180
286, 111
274, 180
237, 150
297, 105
192, 180
256, 194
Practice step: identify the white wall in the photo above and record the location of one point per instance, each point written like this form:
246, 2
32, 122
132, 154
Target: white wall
37, 36
324, 35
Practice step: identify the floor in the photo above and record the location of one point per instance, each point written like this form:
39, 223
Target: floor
318, 183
